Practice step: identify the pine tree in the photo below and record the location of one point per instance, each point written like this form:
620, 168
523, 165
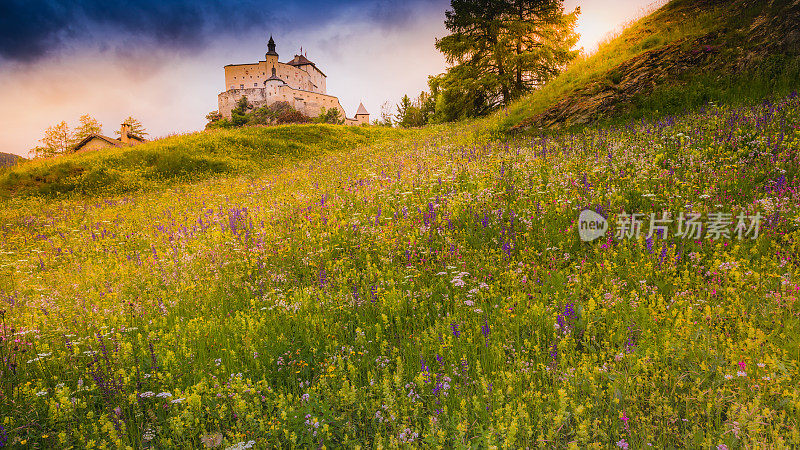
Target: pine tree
540, 42
499, 50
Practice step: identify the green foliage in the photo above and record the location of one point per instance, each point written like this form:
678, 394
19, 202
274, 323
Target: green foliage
417, 112
277, 113
59, 139
331, 116
501, 49
137, 129
180, 159
242, 106
87, 125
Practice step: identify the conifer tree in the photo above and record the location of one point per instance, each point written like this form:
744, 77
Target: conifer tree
499, 50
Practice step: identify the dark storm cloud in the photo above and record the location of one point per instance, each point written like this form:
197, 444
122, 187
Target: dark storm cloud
33, 29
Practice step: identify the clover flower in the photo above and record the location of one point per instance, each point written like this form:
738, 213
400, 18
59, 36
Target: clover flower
211, 440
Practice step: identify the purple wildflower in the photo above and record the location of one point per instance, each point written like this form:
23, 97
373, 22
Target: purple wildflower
454, 327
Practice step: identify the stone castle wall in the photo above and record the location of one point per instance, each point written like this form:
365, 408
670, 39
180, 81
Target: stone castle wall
245, 76
308, 103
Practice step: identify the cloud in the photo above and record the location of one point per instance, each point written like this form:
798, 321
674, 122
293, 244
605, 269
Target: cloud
31, 30
391, 14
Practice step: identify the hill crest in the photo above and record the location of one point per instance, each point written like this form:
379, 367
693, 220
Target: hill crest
717, 40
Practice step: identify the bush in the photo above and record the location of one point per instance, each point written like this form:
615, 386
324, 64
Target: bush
332, 116
278, 113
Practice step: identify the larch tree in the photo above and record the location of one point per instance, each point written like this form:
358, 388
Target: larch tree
87, 125
499, 50
58, 140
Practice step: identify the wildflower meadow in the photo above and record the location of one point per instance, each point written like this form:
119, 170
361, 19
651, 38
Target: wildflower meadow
428, 291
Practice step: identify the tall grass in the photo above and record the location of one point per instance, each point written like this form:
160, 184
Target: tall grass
429, 291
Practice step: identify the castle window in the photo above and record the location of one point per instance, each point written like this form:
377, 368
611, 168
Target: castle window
241, 86
255, 84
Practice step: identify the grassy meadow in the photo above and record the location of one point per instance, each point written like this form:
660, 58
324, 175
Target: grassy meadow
424, 288
181, 159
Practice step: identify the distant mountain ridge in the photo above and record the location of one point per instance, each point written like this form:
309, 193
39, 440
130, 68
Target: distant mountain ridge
9, 159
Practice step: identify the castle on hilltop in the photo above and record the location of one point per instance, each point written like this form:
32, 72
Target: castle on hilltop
298, 82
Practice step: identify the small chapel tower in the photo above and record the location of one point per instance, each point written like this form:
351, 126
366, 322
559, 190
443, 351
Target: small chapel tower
362, 116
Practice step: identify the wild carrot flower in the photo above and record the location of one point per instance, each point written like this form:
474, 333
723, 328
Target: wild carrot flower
211, 440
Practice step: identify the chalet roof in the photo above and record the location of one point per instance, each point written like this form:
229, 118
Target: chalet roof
111, 141
361, 109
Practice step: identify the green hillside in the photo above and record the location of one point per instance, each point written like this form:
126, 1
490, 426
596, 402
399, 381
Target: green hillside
343, 287
183, 159
682, 56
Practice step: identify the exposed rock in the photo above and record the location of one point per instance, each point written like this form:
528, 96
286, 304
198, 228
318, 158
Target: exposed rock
776, 30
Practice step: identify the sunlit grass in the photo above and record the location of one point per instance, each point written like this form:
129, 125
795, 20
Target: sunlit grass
423, 291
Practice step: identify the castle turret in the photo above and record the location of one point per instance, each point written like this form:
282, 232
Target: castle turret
362, 116
271, 56
274, 77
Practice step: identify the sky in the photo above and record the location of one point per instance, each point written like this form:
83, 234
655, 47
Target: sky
162, 61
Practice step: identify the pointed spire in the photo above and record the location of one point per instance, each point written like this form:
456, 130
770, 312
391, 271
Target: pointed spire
271, 47
361, 110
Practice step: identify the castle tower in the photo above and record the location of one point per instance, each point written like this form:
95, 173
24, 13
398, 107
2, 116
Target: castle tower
271, 56
362, 116
274, 77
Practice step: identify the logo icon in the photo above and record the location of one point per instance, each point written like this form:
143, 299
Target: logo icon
591, 225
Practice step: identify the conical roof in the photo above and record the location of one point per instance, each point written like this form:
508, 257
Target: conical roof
361, 109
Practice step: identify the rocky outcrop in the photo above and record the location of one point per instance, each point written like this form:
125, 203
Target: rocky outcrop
775, 30
639, 74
